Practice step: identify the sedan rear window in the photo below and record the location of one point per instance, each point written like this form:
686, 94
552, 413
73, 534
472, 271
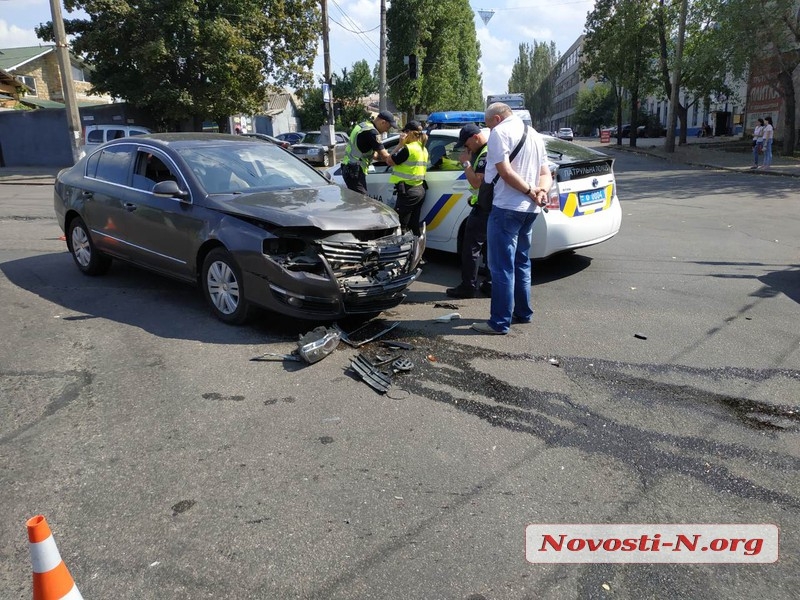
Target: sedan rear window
114, 164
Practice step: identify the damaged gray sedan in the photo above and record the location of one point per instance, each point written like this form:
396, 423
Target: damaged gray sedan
247, 221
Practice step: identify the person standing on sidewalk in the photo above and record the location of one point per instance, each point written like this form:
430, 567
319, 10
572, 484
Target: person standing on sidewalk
473, 159
521, 186
758, 142
769, 134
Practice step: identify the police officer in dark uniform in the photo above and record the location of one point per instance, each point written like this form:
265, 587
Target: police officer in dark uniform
363, 146
473, 139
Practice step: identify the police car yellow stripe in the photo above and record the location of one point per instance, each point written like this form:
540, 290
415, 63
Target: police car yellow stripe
441, 209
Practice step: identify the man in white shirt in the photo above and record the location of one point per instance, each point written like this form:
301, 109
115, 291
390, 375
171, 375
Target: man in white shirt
520, 190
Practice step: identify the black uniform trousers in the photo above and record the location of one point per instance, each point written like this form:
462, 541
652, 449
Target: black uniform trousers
409, 205
473, 247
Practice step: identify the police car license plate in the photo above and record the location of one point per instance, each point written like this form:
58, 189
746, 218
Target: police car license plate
592, 197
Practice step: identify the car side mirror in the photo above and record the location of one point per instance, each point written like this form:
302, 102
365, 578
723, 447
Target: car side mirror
328, 176
170, 189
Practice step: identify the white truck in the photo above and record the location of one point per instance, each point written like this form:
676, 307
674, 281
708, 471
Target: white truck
515, 101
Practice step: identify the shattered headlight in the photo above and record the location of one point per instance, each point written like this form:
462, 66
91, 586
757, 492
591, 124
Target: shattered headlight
317, 344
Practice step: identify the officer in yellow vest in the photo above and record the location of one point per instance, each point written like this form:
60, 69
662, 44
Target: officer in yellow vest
411, 163
364, 146
473, 140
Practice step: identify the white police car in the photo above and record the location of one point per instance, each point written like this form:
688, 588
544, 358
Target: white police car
583, 208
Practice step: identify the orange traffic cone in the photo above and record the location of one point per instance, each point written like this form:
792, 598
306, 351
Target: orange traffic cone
51, 578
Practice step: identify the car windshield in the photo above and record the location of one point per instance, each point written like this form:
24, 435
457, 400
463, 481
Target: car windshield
311, 138
248, 167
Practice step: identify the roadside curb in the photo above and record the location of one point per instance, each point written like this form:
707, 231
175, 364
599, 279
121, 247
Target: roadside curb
707, 165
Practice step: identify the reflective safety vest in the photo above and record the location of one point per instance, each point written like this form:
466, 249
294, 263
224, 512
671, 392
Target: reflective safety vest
473, 200
412, 171
352, 155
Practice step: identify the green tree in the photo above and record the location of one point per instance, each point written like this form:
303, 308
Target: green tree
442, 35
311, 111
532, 74
705, 64
620, 47
194, 59
595, 107
761, 31
349, 89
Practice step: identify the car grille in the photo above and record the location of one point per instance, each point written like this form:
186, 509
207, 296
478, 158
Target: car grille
354, 258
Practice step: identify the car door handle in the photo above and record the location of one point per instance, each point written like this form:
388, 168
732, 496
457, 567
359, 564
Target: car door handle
130, 207
87, 194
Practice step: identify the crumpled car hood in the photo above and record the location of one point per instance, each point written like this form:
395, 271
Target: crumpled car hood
328, 207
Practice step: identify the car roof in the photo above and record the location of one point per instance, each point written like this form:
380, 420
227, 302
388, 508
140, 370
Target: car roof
566, 152
185, 139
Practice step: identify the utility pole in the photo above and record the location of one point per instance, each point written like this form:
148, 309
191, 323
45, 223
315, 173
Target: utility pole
672, 120
68, 87
327, 131
382, 75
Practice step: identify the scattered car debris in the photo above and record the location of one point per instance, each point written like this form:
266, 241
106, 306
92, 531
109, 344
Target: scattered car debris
432, 358
448, 317
402, 364
640, 336
276, 357
347, 337
370, 374
317, 344
447, 305
396, 344
555, 362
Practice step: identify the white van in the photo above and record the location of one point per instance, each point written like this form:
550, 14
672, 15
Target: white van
94, 135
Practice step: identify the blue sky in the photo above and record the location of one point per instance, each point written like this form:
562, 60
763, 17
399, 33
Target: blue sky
514, 22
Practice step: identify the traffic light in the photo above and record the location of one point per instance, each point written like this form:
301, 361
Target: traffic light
412, 66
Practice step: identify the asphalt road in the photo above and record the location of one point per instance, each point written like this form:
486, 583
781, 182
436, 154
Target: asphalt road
170, 465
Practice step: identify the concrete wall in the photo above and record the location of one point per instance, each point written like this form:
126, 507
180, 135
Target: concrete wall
40, 138
35, 138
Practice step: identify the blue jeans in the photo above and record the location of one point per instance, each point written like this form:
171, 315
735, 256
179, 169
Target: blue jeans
508, 237
768, 152
756, 151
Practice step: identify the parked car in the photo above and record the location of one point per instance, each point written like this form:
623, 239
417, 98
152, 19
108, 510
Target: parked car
293, 137
247, 221
565, 133
313, 151
94, 135
268, 138
583, 208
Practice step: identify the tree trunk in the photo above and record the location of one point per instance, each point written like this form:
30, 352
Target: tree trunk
789, 107
683, 114
634, 116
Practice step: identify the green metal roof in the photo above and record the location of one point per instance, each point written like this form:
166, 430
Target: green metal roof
11, 58
41, 103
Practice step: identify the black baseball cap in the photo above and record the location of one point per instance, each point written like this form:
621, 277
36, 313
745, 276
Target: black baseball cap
467, 131
388, 117
413, 126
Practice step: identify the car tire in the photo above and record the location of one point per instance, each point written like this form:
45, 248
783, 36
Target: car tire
326, 161
86, 256
223, 287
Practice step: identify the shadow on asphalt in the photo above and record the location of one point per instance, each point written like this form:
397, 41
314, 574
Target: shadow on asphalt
171, 309
785, 280
159, 305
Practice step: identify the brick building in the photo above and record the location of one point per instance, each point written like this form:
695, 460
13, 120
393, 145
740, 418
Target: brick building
37, 68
